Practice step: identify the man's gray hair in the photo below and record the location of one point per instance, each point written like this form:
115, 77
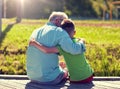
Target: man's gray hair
55, 15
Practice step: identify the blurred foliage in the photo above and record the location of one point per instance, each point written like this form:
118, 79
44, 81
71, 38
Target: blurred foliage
36, 9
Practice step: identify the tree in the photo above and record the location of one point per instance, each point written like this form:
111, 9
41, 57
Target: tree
19, 11
36, 9
0, 17
82, 8
4, 8
11, 8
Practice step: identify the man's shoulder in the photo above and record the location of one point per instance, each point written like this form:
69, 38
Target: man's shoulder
61, 32
59, 29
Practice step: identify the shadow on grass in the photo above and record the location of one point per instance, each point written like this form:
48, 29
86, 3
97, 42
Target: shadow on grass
7, 29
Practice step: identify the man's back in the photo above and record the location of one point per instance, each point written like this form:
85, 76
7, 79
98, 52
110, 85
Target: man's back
40, 66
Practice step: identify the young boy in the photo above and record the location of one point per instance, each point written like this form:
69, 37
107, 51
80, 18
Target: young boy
77, 65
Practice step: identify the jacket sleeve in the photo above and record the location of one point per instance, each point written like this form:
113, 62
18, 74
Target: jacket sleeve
69, 46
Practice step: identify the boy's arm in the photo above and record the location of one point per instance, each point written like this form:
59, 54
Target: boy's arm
42, 47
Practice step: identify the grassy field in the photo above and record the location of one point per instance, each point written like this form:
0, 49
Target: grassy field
102, 42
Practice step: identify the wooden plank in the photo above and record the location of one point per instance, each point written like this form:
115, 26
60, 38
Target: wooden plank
24, 77
25, 84
22, 82
107, 78
3, 87
12, 84
20, 77
108, 84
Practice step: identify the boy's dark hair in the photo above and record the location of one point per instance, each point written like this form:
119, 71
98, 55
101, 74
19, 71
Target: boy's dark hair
67, 25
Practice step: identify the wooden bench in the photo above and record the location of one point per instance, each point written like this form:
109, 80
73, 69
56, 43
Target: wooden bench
22, 82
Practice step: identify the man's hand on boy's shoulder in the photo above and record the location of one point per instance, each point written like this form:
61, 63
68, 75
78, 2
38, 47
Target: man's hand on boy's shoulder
81, 40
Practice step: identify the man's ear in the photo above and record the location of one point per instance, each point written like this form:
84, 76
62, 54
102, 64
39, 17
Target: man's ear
57, 20
74, 32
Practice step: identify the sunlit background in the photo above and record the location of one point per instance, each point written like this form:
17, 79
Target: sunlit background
82, 9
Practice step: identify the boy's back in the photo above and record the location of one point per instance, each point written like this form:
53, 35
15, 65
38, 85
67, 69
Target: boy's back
77, 65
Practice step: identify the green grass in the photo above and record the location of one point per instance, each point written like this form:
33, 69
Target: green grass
103, 49
99, 35
102, 43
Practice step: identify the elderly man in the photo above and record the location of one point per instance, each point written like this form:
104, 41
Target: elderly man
44, 68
